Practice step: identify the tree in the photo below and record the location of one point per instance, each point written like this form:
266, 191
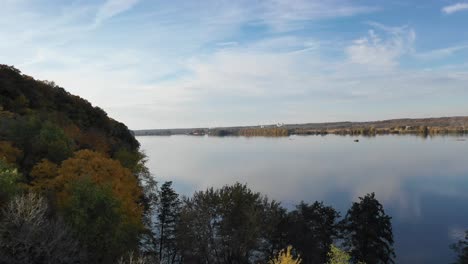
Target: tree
9, 153
132, 258
368, 232
168, 216
224, 226
10, 180
53, 144
28, 236
275, 228
43, 176
98, 221
103, 171
312, 229
132, 160
461, 247
285, 257
337, 256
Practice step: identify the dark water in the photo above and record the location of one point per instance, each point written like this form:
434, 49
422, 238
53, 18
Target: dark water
422, 182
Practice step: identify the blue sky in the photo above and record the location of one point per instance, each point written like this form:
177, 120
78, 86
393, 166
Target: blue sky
160, 64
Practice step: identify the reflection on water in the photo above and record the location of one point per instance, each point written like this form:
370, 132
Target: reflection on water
422, 182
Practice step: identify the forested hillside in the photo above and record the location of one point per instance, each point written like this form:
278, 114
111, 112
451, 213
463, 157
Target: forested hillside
73, 170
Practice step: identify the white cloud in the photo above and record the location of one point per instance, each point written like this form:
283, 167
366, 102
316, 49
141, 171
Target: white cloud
284, 15
455, 8
441, 53
112, 8
373, 50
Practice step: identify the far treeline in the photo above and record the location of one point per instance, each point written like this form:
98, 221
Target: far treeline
422, 127
74, 188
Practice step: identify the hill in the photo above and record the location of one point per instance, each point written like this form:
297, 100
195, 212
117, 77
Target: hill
70, 177
440, 125
28, 106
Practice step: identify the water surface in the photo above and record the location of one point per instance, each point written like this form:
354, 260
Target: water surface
422, 182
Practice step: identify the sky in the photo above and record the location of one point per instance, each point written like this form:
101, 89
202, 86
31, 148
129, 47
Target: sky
168, 64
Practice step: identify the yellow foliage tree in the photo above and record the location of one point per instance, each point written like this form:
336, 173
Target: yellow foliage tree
338, 256
8, 152
43, 175
103, 171
285, 257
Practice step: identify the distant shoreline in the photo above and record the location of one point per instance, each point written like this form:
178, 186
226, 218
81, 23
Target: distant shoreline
420, 126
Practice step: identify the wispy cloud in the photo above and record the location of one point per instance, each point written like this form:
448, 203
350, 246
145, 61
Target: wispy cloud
112, 8
450, 9
288, 14
373, 50
441, 53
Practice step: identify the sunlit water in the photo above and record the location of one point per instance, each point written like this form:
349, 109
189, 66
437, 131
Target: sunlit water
422, 182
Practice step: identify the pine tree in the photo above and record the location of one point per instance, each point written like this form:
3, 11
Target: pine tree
368, 232
461, 247
168, 215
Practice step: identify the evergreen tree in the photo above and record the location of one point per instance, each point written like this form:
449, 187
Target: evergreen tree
367, 232
461, 247
168, 216
312, 229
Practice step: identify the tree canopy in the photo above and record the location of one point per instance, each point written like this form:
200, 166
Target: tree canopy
368, 232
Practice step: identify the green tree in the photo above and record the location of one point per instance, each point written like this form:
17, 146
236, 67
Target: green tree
10, 180
312, 230
97, 220
226, 225
53, 144
461, 247
367, 232
168, 216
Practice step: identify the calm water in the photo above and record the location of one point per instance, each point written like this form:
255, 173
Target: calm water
422, 183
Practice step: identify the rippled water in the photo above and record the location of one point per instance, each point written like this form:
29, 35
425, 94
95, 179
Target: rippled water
422, 182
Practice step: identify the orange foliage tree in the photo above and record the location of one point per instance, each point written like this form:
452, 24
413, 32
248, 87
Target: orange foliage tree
8, 152
94, 139
43, 175
105, 172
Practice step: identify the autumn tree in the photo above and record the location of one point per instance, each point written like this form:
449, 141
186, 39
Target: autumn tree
100, 200
285, 256
368, 232
97, 218
102, 171
9, 153
337, 256
43, 176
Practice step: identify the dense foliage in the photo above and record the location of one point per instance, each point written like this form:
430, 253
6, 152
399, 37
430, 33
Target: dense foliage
461, 248
83, 169
233, 224
44, 121
368, 232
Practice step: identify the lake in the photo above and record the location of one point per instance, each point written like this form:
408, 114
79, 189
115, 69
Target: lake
422, 182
